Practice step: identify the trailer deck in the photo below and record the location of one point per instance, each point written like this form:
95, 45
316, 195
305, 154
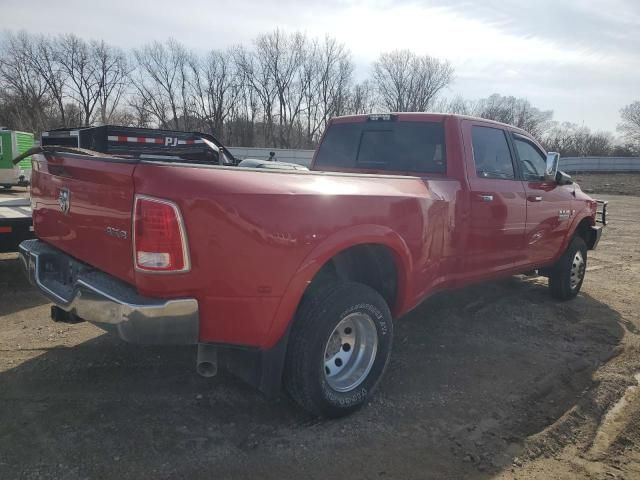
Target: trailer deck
15, 221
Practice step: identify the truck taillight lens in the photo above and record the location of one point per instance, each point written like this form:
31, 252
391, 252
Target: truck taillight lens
159, 241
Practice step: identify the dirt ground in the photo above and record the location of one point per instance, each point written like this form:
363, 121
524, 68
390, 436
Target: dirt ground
609, 183
493, 381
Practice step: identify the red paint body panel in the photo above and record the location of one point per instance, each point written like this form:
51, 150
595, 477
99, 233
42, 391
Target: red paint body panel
545, 232
251, 233
496, 228
101, 196
258, 237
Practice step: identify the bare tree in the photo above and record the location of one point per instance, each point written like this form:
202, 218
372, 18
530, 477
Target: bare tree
361, 99
573, 140
281, 56
143, 112
44, 59
161, 82
309, 78
630, 125
77, 62
111, 71
299, 84
241, 127
216, 87
598, 144
514, 111
325, 79
625, 150
258, 79
335, 79
407, 82
457, 105
562, 138
279, 92
77, 77
23, 91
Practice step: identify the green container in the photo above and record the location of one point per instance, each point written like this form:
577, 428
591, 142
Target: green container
12, 144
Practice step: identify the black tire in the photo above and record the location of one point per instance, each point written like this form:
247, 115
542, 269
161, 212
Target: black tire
567, 275
317, 318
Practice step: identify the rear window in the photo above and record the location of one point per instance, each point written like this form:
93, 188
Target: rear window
394, 145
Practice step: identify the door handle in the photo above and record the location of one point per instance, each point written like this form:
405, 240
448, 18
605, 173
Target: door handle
486, 198
534, 198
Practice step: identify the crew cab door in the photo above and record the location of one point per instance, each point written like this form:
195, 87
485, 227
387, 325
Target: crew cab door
549, 205
497, 199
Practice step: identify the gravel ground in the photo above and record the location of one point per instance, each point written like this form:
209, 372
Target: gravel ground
493, 381
609, 183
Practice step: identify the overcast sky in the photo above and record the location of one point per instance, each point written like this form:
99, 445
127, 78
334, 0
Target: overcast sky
580, 58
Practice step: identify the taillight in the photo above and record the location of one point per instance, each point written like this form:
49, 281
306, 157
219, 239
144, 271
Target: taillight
159, 240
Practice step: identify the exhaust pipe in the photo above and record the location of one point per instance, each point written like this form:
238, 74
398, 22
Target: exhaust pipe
207, 361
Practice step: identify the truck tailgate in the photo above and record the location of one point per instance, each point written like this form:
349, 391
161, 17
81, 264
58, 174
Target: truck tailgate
83, 206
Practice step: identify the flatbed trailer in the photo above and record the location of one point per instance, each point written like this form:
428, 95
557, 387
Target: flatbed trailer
15, 212
143, 143
15, 222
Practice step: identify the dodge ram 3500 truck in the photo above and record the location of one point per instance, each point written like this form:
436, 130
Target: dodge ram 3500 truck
292, 278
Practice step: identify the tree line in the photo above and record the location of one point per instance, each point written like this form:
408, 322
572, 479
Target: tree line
279, 91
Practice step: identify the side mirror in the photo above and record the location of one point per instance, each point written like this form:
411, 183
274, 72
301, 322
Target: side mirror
550, 171
563, 179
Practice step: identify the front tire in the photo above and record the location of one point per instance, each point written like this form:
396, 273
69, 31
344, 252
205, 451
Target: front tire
567, 275
339, 347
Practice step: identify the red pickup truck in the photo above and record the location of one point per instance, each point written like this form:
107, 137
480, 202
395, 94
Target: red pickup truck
292, 278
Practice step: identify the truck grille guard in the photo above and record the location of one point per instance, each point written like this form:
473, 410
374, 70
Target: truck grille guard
601, 212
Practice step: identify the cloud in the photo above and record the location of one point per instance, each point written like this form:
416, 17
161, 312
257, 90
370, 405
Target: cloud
602, 25
579, 58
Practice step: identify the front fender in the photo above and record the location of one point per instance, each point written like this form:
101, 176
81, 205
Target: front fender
583, 214
327, 249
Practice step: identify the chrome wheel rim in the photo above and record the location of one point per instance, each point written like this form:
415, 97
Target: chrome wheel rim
350, 352
577, 270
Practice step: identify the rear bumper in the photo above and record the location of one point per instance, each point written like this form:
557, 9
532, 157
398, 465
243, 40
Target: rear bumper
107, 302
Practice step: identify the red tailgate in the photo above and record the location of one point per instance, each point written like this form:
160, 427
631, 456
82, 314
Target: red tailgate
83, 206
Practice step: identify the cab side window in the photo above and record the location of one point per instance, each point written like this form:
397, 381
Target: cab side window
532, 160
491, 153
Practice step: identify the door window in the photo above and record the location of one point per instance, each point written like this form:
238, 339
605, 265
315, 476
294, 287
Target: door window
491, 153
532, 160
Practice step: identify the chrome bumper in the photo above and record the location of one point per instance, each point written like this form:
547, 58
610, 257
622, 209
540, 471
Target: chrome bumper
596, 233
107, 302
